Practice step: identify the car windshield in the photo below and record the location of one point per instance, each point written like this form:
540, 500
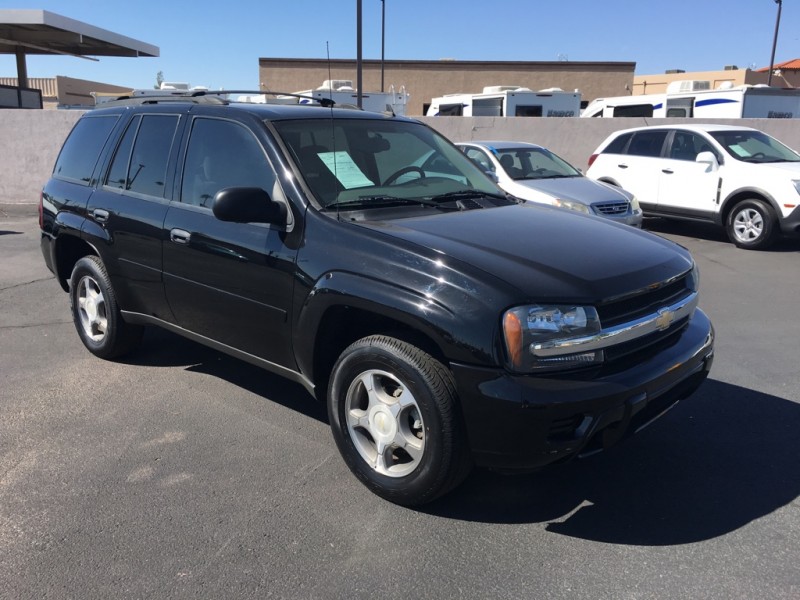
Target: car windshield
533, 163
754, 147
378, 163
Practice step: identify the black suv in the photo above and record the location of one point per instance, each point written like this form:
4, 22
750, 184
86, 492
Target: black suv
363, 255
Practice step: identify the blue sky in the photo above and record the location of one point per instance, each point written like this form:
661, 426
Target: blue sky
218, 44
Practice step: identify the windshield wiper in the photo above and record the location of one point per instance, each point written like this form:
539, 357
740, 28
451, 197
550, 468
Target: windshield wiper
466, 195
380, 200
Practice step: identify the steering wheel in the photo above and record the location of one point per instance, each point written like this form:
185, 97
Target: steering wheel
397, 174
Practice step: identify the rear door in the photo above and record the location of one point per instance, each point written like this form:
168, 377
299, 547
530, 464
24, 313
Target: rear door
638, 166
229, 282
129, 207
686, 187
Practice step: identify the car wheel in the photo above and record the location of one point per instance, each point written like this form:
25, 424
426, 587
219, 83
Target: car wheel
95, 311
751, 225
393, 412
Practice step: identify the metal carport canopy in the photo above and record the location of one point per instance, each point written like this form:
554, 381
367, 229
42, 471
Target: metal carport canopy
24, 31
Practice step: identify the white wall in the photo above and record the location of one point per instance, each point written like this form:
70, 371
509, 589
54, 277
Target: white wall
30, 140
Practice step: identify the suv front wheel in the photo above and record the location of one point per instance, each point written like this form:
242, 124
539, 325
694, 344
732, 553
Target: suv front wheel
95, 311
751, 224
392, 409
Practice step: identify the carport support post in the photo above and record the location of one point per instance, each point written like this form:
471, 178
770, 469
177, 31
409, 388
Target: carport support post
359, 93
22, 68
774, 42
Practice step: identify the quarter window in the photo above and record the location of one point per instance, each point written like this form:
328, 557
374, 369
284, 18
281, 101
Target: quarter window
82, 148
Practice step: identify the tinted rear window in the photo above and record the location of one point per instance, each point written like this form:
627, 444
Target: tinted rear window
82, 148
617, 145
647, 143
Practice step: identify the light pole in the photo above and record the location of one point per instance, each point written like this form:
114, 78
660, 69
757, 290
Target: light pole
774, 42
383, 36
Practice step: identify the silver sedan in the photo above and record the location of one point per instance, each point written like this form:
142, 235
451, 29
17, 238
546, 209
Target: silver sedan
533, 173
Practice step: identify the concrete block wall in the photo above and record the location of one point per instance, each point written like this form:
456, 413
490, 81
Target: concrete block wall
30, 140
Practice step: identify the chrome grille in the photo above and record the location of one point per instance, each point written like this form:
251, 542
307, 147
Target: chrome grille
611, 209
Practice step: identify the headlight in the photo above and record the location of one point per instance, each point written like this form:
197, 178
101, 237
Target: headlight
634, 204
571, 205
528, 329
796, 185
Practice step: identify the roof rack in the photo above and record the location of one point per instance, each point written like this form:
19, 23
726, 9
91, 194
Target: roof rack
203, 97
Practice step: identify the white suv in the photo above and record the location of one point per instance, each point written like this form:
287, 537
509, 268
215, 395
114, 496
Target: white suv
736, 177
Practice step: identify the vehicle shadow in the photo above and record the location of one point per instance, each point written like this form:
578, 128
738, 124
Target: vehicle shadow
723, 458
161, 348
708, 231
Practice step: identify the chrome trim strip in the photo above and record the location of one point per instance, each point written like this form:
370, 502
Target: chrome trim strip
658, 321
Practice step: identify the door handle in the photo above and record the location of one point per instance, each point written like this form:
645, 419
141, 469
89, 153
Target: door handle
623, 166
179, 236
667, 171
100, 215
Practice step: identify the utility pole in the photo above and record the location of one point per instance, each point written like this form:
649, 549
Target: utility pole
359, 97
774, 42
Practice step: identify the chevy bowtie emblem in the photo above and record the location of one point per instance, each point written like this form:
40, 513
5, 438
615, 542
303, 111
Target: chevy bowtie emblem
664, 319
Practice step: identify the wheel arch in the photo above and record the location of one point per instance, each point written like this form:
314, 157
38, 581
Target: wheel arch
738, 196
68, 251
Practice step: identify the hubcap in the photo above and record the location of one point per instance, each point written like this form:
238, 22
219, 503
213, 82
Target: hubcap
92, 309
748, 225
385, 424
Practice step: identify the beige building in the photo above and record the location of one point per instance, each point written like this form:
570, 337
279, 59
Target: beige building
426, 79
63, 91
657, 83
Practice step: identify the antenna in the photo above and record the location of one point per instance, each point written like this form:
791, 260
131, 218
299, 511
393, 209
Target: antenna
333, 128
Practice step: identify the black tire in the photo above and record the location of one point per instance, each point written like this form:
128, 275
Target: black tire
412, 414
751, 224
96, 314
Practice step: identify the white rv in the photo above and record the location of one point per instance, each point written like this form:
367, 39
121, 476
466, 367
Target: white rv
341, 91
697, 99
508, 101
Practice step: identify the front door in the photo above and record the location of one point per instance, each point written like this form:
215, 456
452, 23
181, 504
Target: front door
687, 187
229, 282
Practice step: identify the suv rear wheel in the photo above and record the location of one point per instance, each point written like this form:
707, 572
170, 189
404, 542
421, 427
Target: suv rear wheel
751, 224
392, 409
95, 311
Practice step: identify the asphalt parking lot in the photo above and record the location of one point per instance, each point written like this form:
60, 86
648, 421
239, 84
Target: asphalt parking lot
184, 473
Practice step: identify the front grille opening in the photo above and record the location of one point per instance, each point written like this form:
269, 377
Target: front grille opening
611, 208
645, 303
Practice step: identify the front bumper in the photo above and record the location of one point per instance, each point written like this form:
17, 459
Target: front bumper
523, 423
790, 224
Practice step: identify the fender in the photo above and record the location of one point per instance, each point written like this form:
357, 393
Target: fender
719, 217
467, 335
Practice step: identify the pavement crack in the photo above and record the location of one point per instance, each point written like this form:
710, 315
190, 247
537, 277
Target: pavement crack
32, 325
17, 285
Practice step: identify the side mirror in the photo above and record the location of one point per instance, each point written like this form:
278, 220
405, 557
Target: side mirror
708, 158
247, 205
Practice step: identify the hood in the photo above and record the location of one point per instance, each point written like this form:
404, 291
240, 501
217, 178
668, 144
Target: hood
781, 169
546, 253
578, 189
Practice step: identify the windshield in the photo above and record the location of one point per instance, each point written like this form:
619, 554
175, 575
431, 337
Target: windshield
754, 146
534, 163
371, 163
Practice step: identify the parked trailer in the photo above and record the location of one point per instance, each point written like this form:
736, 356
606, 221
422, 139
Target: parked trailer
341, 91
508, 101
697, 99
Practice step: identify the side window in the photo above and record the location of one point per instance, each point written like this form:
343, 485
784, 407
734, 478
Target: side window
634, 110
82, 148
480, 158
140, 163
687, 145
222, 154
647, 143
617, 145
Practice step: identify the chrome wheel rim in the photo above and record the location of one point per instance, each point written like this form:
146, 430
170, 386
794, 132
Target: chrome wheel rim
92, 309
385, 423
748, 225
